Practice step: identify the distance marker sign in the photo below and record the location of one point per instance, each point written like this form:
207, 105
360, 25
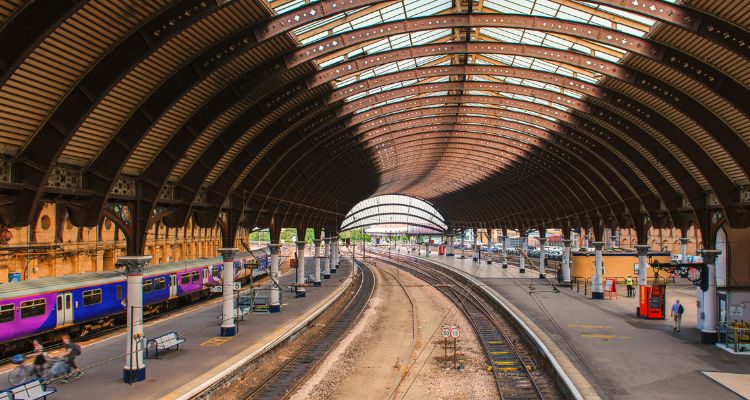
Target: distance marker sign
445, 333
455, 332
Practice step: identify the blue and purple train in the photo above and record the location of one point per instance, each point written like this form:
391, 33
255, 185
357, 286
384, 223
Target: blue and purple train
79, 304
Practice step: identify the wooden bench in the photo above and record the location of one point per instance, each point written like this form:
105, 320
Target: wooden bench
31, 390
164, 342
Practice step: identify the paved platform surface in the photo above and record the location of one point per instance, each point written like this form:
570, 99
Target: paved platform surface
622, 356
203, 350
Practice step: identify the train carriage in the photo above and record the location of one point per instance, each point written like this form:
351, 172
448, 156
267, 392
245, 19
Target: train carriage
82, 303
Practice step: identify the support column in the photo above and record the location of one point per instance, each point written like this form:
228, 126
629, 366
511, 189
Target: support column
326, 258
596, 283
475, 252
275, 304
334, 251
642, 263
542, 266
99, 260
135, 368
683, 249
709, 333
566, 261
505, 251
300, 288
522, 254
449, 252
427, 248
318, 267
228, 326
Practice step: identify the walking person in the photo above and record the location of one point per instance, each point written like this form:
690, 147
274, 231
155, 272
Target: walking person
676, 314
629, 283
40, 358
72, 350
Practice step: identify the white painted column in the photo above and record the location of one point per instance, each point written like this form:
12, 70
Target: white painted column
319, 263
709, 333
566, 260
642, 263
475, 252
228, 327
449, 252
522, 254
596, 283
300, 268
326, 258
334, 246
683, 249
275, 304
542, 265
135, 368
505, 251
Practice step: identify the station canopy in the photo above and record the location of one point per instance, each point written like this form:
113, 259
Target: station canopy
395, 214
499, 113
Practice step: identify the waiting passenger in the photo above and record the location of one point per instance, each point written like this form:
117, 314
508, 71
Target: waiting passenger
677, 310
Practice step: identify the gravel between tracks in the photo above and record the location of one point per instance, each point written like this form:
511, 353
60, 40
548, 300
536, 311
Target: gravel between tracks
363, 364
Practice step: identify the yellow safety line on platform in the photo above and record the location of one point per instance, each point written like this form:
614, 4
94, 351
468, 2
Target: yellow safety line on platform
589, 326
217, 341
605, 337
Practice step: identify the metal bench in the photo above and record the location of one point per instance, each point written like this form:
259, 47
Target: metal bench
310, 278
30, 390
164, 342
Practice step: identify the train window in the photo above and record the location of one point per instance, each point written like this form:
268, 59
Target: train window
215, 272
59, 303
91, 297
195, 276
160, 283
6, 312
119, 292
148, 286
185, 279
32, 308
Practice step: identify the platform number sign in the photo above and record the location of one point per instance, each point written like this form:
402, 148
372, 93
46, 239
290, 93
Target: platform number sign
237, 285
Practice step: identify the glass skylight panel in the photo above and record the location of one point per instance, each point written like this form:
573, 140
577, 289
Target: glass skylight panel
290, 6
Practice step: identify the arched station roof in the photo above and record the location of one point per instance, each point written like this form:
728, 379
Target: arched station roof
394, 209
513, 113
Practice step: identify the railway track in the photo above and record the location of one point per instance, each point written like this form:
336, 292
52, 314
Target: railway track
516, 373
283, 383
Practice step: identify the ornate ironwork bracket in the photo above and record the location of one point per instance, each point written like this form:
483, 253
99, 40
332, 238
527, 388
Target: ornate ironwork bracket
696, 273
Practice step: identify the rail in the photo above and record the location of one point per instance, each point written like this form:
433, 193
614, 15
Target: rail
283, 383
516, 373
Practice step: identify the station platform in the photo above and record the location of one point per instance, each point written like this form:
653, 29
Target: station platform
204, 354
619, 355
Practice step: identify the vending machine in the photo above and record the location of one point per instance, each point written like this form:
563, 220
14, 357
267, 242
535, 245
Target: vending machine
652, 302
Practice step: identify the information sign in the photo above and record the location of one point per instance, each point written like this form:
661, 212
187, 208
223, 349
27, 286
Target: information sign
237, 285
455, 332
216, 289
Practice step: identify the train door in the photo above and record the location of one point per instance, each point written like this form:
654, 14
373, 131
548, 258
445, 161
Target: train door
206, 274
64, 308
173, 285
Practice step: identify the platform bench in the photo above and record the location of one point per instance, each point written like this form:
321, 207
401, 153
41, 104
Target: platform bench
310, 278
164, 342
31, 390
